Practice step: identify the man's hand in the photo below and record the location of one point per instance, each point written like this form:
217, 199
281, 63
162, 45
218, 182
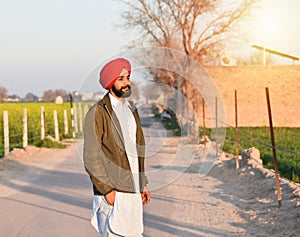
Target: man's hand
145, 196
110, 197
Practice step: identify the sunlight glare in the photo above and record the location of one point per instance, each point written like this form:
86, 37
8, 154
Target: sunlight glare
274, 24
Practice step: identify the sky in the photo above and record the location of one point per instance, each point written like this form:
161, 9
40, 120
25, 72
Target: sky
276, 25
54, 44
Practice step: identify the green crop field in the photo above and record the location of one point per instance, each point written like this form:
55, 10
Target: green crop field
15, 114
287, 142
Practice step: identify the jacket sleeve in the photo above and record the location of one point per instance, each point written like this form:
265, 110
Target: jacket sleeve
95, 161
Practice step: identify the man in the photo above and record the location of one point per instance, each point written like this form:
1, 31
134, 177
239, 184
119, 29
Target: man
114, 150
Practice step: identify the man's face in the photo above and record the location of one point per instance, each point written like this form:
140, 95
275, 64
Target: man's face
121, 87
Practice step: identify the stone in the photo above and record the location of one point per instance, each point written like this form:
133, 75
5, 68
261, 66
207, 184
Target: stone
252, 153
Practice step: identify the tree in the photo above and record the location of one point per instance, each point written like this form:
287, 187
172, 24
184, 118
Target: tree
30, 97
64, 94
256, 58
201, 29
3, 93
50, 95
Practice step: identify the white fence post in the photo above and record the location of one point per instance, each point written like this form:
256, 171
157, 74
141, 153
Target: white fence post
72, 122
6, 132
66, 122
42, 123
56, 125
75, 119
80, 117
25, 133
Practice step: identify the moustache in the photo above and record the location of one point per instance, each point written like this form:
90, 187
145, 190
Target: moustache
126, 87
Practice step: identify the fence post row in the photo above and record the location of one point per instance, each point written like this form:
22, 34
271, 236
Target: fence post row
237, 165
6, 132
66, 122
56, 125
80, 117
43, 123
204, 127
74, 120
72, 116
217, 150
25, 133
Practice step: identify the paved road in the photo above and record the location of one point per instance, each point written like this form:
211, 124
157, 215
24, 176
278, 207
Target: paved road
56, 203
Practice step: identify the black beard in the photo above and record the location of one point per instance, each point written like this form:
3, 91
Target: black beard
120, 93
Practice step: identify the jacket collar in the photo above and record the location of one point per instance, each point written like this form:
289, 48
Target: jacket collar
106, 101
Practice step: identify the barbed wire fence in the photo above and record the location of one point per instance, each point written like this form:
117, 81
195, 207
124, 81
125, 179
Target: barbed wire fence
221, 123
241, 134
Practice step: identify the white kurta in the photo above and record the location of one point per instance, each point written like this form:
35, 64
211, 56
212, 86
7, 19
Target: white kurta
126, 216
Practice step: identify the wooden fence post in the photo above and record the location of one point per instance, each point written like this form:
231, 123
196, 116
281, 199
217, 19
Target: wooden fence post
25, 132
80, 117
72, 116
204, 127
237, 165
6, 132
56, 125
273, 148
42, 123
66, 122
217, 150
75, 119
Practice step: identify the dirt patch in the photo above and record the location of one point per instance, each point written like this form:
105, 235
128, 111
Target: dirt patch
253, 189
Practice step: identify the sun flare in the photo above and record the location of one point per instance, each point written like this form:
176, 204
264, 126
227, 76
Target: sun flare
274, 25
266, 27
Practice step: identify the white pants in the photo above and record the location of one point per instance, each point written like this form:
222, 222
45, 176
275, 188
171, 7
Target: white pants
100, 221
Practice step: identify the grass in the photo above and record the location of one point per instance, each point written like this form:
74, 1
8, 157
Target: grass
48, 143
287, 142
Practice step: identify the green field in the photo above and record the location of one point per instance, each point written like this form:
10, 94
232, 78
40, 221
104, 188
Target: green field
15, 114
287, 142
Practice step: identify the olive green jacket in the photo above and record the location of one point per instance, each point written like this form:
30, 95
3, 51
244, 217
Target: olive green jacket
104, 154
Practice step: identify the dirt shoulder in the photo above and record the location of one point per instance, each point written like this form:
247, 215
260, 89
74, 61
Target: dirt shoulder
224, 202
252, 189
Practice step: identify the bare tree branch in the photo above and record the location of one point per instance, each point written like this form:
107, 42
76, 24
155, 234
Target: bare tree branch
193, 26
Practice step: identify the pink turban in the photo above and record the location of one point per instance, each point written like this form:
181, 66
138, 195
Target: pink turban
112, 70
